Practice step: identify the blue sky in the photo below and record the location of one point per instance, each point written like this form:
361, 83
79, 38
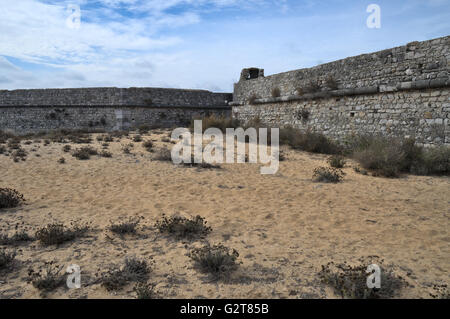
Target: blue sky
201, 44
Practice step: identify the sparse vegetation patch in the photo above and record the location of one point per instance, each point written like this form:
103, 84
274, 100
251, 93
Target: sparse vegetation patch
10, 198
56, 234
145, 291
328, 175
336, 161
162, 154
6, 258
308, 141
124, 227
350, 281
47, 278
17, 239
148, 145
134, 270
85, 153
216, 260
182, 227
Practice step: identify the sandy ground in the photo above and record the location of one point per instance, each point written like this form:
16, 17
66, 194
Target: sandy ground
284, 226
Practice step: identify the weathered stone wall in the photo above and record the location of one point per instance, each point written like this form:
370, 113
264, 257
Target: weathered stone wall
387, 70
31, 111
23, 120
397, 92
422, 114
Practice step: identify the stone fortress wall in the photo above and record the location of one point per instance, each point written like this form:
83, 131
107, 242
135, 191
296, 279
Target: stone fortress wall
31, 111
402, 91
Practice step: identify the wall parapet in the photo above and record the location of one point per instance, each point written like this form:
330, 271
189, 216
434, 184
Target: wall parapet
114, 97
403, 86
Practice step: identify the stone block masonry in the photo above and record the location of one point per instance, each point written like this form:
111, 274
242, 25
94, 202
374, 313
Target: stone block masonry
32, 111
402, 91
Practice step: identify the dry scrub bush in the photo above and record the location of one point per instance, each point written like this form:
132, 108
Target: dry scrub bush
127, 149
14, 144
15, 240
308, 141
124, 227
148, 145
328, 175
66, 148
47, 278
106, 154
182, 227
10, 198
137, 138
203, 164
336, 161
84, 153
144, 129
217, 260
19, 154
389, 157
351, 281
440, 292
145, 291
4, 136
57, 234
6, 258
134, 270
162, 154
312, 86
